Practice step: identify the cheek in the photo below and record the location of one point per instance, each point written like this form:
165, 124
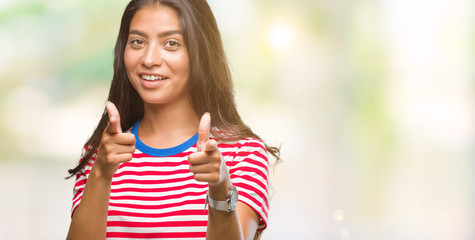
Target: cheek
129, 59
182, 65
184, 69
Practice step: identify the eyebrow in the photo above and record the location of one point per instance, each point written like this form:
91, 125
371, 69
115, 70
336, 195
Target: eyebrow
162, 34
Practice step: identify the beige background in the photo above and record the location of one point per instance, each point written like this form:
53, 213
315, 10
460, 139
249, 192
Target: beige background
372, 101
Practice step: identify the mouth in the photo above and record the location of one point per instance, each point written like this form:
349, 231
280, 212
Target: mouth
152, 77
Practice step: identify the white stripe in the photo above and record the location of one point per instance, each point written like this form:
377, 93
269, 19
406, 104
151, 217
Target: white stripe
160, 210
252, 184
158, 238
244, 163
161, 185
151, 203
75, 206
163, 219
152, 177
153, 168
156, 229
256, 197
158, 159
156, 194
255, 175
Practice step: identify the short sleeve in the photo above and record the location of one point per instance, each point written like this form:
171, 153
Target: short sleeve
248, 168
80, 182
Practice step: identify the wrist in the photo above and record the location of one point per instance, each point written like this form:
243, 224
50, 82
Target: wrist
220, 190
99, 175
228, 205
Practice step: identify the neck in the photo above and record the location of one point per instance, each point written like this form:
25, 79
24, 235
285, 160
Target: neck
167, 125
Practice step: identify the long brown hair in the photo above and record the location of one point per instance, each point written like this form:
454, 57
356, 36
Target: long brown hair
210, 87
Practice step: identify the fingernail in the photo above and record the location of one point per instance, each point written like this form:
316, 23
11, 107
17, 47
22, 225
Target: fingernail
207, 113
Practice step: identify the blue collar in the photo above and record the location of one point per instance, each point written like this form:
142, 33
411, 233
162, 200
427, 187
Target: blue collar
162, 152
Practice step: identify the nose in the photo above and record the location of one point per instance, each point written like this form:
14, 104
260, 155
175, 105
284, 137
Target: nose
152, 56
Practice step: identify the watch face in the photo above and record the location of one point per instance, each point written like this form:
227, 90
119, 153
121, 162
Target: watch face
234, 198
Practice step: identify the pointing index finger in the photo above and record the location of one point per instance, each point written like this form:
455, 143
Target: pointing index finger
203, 131
114, 119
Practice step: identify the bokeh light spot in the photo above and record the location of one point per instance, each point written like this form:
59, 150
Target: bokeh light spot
339, 215
280, 36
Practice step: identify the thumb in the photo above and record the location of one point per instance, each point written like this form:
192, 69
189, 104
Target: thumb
114, 119
210, 146
203, 131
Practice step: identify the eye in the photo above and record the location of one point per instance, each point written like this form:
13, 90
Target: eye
136, 42
171, 44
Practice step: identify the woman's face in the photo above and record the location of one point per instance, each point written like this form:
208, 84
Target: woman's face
155, 57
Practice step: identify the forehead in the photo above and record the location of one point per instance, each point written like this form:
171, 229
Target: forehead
155, 19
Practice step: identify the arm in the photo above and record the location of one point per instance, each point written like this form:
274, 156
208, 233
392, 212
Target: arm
240, 224
90, 217
89, 220
207, 165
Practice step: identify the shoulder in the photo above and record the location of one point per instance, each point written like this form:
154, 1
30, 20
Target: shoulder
249, 152
248, 169
245, 144
89, 153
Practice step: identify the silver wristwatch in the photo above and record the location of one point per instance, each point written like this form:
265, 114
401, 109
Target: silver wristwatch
227, 206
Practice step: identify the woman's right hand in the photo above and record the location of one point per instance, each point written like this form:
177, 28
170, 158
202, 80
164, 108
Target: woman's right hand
116, 147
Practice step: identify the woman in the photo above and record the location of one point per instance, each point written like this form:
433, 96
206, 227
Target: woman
184, 148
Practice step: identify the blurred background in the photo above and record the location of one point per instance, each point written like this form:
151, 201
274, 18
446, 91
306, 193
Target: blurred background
373, 102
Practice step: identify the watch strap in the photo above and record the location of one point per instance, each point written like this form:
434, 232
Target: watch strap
224, 206
218, 205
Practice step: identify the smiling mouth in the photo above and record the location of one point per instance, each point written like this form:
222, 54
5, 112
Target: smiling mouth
152, 77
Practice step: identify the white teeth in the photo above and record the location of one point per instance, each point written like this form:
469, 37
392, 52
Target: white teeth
152, 77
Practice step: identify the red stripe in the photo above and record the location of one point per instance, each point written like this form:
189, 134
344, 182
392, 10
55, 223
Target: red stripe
252, 198
91, 162
78, 193
251, 161
258, 154
256, 143
157, 224
79, 185
74, 202
149, 182
144, 155
162, 189
158, 215
154, 164
161, 206
229, 154
157, 235
158, 198
152, 173
251, 179
248, 170
80, 182
147, 173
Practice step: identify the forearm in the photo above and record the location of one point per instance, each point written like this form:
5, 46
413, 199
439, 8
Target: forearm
208, 165
221, 224
90, 217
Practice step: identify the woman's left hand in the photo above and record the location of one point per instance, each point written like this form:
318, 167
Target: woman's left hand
207, 164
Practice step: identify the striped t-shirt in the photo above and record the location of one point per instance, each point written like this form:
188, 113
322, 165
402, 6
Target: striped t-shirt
154, 196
